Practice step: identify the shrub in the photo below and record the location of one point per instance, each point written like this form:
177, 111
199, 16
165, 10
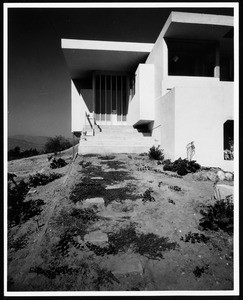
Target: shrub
156, 153
58, 163
17, 154
181, 166
218, 216
57, 144
42, 179
18, 210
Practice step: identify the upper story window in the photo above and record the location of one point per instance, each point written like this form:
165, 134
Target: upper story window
191, 57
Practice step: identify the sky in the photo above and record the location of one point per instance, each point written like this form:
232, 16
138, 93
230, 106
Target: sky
39, 90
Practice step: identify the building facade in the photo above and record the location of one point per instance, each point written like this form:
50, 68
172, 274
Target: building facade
178, 90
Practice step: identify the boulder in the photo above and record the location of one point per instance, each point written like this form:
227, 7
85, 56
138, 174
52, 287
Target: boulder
211, 175
229, 176
221, 191
96, 237
221, 175
128, 264
97, 200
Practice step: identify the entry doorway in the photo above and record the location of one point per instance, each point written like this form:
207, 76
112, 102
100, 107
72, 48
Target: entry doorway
110, 92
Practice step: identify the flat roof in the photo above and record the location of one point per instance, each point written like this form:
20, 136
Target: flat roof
85, 56
106, 45
197, 26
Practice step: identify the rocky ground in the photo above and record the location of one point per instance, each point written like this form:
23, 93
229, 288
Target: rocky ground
117, 223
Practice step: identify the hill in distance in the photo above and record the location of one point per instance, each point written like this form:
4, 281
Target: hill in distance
26, 142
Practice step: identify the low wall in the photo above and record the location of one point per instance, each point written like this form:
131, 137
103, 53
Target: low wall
78, 108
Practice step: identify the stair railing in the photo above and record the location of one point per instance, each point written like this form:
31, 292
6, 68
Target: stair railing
90, 123
95, 123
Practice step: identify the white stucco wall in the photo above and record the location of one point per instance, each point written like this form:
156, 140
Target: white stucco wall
141, 106
133, 110
170, 82
78, 108
164, 124
200, 113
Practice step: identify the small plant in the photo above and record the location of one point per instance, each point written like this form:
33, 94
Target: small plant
42, 179
229, 153
58, 163
85, 164
218, 216
175, 188
171, 201
198, 271
195, 238
156, 153
147, 196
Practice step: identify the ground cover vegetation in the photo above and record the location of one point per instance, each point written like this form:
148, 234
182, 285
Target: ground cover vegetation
139, 221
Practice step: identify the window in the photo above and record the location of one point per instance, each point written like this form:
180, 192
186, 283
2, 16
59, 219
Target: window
229, 140
191, 57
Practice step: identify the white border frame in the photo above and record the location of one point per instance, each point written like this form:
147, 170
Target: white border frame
233, 5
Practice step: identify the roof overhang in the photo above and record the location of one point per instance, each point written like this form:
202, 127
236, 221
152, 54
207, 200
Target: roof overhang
85, 56
197, 26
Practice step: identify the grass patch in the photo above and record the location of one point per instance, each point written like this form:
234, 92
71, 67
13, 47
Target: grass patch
94, 188
114, 164
19, 243
149, 245
87, 189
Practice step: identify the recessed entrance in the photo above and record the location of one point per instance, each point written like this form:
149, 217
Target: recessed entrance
110, 97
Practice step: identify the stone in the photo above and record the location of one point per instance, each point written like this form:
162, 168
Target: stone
229, 176
127, 265
211, 176
221, 191
96, 237
221, 175
97, 200
32, 191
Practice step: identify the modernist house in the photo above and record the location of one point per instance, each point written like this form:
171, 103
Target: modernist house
127, 97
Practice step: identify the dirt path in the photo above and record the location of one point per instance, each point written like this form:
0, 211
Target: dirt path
99, 234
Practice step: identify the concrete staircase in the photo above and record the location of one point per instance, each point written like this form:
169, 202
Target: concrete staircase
116, 139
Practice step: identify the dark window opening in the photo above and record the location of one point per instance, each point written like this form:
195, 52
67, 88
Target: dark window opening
132, 85
191, 58
229, 140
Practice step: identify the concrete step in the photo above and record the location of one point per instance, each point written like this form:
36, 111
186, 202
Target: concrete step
112, 149
116, 139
